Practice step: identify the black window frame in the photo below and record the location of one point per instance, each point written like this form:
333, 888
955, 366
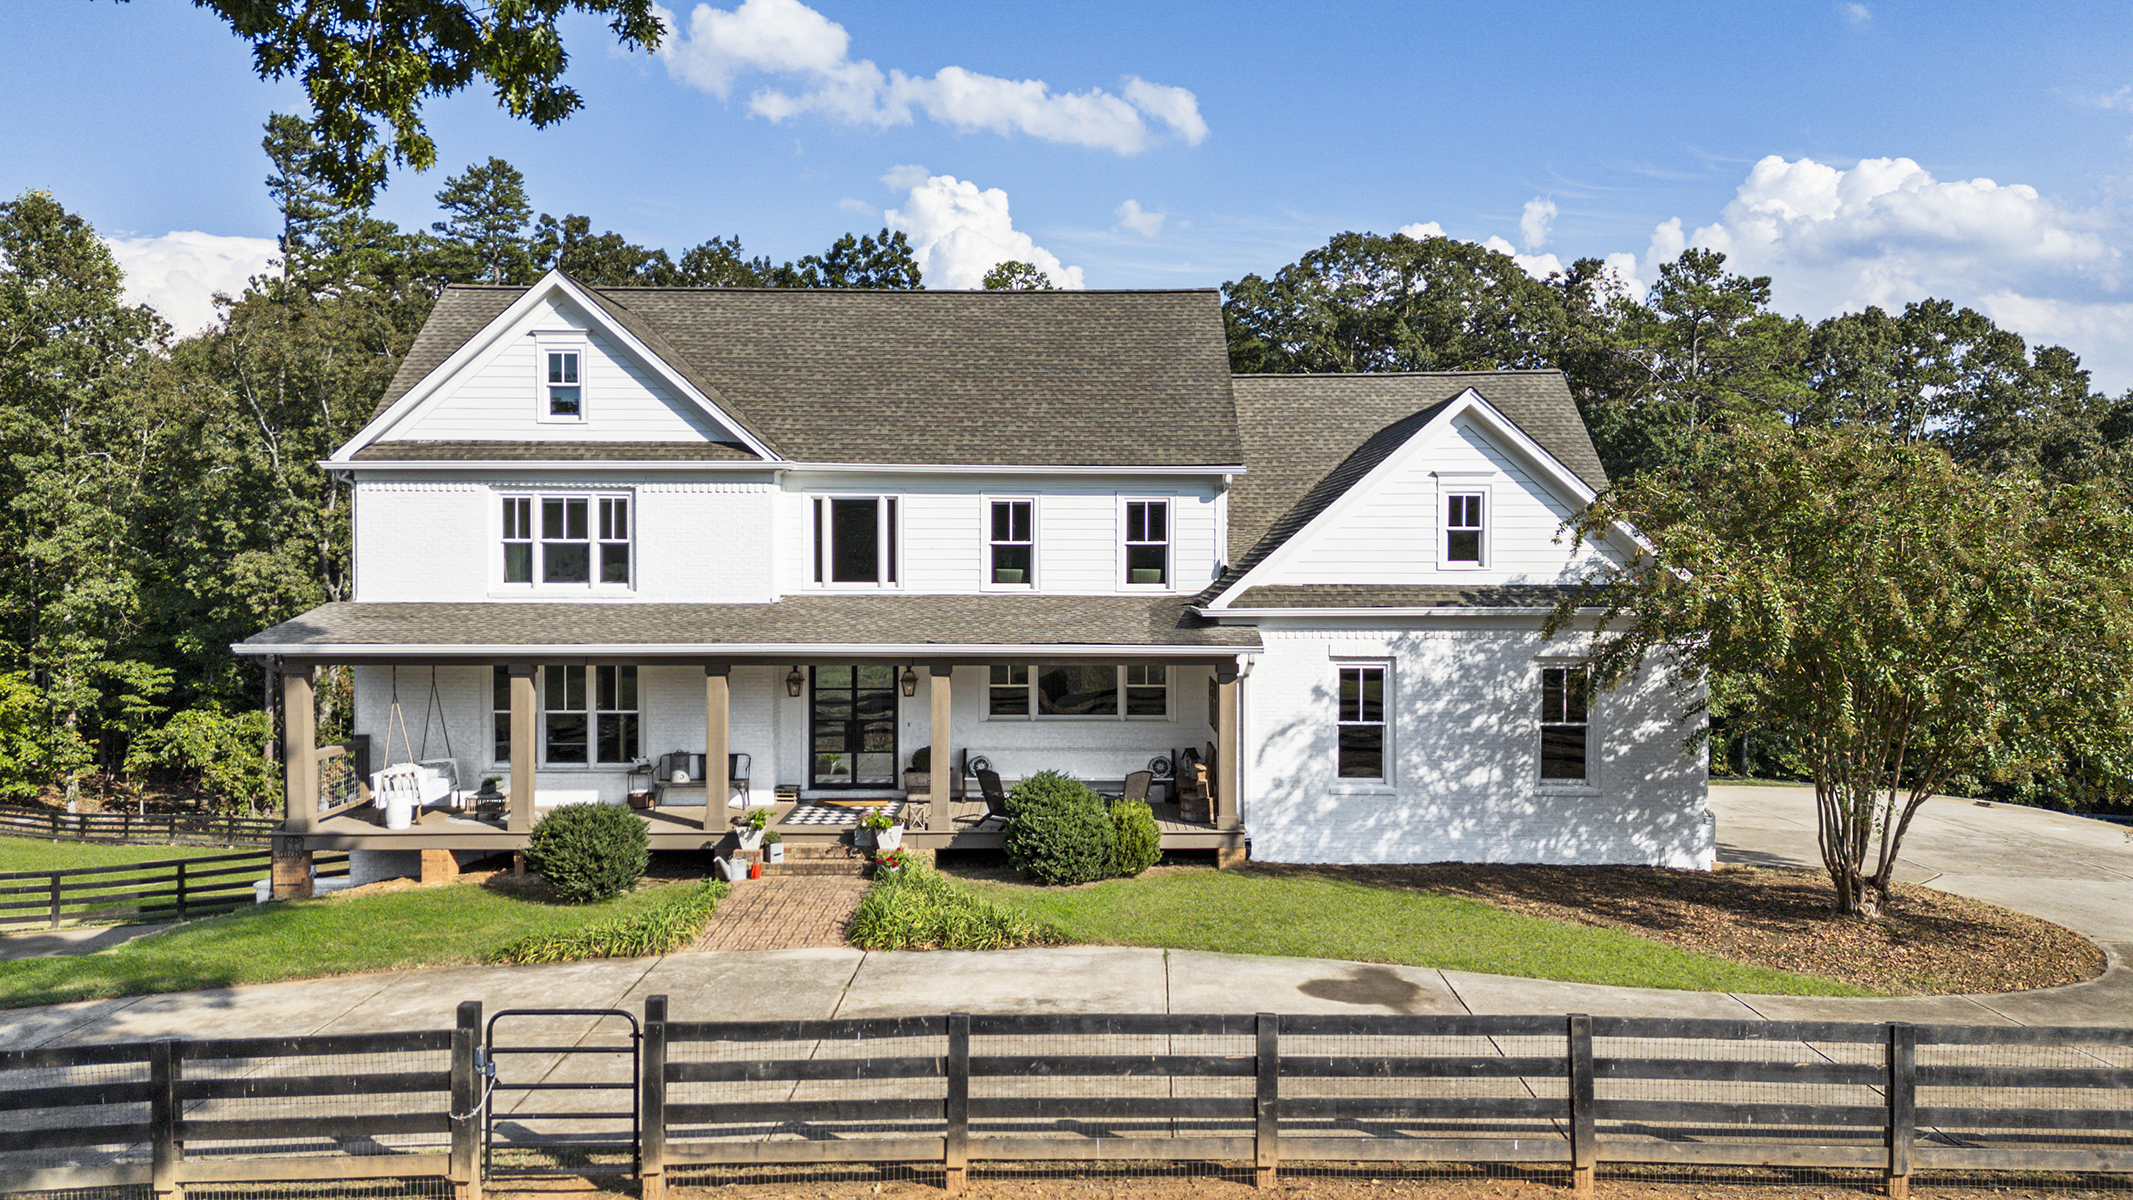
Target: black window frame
586, 704
1566, 724
825, 512
1028, 680
1357, 729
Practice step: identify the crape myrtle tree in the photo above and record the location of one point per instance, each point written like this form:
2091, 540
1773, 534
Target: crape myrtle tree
1904, 618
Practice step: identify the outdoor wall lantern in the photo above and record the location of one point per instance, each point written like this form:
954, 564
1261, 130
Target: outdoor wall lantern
794, 681
910, 682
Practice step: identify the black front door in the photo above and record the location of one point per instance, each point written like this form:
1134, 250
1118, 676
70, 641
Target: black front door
852, 727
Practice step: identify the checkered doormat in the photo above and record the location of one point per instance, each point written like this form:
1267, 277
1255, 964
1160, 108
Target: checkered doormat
835, 814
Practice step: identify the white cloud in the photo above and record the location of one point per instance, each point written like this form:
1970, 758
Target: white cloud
959, 231
857, 206
1539, 266
1855, 14
1421, 230
904, 177
716, 48
1535, 224
180, 272
1132, 216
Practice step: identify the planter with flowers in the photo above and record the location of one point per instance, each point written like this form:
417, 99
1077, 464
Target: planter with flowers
880, 830
890, 862
751, 827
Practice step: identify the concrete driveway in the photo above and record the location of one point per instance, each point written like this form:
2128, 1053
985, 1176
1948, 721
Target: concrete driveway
2078, 873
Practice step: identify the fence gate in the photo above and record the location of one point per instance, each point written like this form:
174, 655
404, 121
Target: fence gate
573, 1118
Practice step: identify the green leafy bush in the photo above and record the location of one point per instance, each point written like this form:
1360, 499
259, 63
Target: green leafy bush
218, 752
589, 851
918, 908
673, 923
22, 760
1057, 831
1136, 841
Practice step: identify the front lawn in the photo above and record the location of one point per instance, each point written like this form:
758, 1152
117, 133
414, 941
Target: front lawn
440, 926
1258, 911
37, 854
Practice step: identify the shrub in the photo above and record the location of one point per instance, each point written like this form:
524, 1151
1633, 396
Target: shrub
673, 923
922, 759
589, 851
918, 908
1136, 842
218, 752
1057, 831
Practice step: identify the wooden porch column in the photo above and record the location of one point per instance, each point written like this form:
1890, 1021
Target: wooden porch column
718, 725
523, 721
299, 749
941, 691
1229, 760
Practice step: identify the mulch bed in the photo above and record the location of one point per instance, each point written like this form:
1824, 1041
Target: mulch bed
1928, 943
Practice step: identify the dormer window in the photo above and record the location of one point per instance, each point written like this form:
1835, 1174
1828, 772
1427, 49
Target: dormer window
559, 378
1464, 543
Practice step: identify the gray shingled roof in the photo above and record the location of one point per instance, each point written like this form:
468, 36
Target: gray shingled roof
1370, 595
1309, 438
554, 452
885, 620
992, 378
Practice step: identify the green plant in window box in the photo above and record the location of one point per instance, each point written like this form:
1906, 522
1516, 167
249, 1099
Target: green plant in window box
773, 846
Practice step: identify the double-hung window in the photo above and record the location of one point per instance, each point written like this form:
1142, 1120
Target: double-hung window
1361, 722
1092, 691
588, 715
559, 363
855, 541
1564, 723
551, 539
1011, 543
1464, 529
1146, 543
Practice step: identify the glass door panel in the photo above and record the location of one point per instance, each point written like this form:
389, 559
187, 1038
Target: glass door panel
852, 725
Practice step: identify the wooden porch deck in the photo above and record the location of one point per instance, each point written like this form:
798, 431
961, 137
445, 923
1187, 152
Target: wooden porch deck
951, 824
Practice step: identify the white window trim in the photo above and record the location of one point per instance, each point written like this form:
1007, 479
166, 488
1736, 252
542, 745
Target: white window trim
1170, 548
1450, 484
535, 587
1036, 542
888, 543
1590, 785
592, 729
1170, 696
545, 341
1388, 783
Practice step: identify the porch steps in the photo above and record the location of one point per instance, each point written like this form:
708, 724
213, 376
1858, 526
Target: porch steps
818, 858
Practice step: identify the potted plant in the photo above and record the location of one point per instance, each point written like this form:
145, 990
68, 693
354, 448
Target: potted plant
919, 777
773, 846
886, 833
889, 862
751, 827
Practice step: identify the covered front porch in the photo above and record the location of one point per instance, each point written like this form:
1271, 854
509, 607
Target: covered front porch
808, 732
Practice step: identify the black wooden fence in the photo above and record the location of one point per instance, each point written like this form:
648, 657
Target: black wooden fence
949, 1093
165, 890
167, 828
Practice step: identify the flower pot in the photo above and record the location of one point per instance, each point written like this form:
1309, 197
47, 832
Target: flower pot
863, 838
750, 838
918, 781
890, 838
775, 851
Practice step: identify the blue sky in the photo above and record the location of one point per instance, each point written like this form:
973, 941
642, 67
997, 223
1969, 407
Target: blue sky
1856, 152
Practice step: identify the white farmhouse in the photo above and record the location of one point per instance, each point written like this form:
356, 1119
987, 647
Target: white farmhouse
606, 536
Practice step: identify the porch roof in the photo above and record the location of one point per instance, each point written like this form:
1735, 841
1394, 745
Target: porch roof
911, 626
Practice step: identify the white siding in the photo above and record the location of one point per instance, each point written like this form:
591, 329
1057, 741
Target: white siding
1465, 750
1386, 532
497, 397
696, 541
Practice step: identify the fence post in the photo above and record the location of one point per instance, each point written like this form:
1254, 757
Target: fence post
55, 899
955, 1145
164, 1148
181, 889
1903, 1105
467, 1103
1266, 1139
652, 1113
1584, 1138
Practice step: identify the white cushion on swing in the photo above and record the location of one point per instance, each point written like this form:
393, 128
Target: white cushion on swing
421, 783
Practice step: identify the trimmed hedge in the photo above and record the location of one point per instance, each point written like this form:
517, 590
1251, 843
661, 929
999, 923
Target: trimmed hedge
671, 924
918, 908
589, 851
1136, 840
1057, 830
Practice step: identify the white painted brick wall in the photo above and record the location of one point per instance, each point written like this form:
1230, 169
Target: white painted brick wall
1466, 758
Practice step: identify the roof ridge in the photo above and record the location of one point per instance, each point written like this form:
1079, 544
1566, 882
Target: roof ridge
1394, 374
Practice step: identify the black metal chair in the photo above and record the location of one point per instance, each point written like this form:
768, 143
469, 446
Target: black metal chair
737, 766
1137, 785
995, 796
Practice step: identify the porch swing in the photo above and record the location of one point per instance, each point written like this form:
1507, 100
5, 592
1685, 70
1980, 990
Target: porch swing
403, 787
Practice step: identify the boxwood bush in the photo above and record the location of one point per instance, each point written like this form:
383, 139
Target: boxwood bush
589, 851
1136, 840
1057, 830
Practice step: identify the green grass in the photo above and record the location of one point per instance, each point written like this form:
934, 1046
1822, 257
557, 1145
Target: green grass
34, 854
1243, 912
305, 939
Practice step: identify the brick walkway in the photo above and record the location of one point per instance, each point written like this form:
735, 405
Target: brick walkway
783, 912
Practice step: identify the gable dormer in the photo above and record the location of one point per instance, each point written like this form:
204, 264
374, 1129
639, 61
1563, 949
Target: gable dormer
559, 364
